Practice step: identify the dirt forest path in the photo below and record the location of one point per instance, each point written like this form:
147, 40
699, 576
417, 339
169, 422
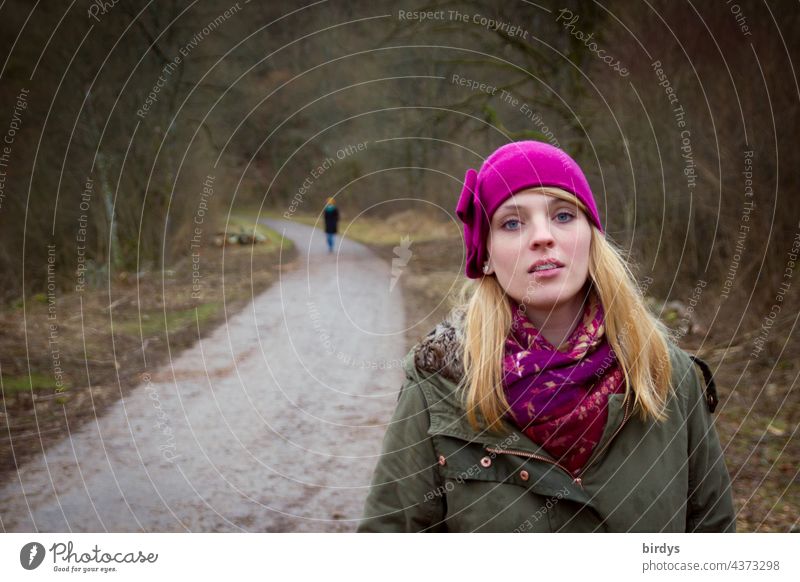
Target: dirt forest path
271, 423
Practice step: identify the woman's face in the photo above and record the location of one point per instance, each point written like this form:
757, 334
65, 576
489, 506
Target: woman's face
532, 226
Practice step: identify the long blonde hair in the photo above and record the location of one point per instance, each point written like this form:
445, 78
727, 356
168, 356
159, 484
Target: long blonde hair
639, 338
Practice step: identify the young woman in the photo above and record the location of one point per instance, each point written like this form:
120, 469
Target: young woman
550, 399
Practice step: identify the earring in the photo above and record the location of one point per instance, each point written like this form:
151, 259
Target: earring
486, 268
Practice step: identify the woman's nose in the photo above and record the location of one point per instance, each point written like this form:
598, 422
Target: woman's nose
541, 236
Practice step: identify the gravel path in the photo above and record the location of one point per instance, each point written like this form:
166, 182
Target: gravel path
271, 423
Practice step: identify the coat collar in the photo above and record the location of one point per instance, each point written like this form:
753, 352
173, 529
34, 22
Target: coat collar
436, 363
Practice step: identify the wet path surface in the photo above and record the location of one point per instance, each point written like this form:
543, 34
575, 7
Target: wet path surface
271, 423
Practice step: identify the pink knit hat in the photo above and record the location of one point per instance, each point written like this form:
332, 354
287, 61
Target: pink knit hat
513, 167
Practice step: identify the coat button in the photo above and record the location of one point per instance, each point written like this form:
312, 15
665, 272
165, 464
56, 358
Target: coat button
486, 462
442, 460
523, 475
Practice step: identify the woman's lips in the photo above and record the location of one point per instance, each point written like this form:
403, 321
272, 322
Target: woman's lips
546, 273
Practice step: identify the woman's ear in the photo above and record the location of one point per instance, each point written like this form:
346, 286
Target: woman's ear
487, 269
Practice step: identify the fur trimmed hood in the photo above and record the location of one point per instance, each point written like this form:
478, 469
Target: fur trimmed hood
441, 352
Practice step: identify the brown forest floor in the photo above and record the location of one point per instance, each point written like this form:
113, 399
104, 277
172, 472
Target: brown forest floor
107, 338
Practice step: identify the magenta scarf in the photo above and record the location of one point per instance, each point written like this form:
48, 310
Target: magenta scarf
559, 398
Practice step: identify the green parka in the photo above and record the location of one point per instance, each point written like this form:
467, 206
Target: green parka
438, 474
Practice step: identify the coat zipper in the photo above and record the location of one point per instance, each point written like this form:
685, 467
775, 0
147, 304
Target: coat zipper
575, 478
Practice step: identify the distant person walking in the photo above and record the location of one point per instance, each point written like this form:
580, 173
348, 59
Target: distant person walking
331, 222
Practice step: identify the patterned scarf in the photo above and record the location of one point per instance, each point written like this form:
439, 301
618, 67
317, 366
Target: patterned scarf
559, 397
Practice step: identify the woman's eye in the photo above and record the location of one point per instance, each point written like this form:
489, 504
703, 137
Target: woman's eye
568, 216
513, 222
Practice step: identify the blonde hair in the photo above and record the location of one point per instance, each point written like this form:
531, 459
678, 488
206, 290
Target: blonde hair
639, 338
